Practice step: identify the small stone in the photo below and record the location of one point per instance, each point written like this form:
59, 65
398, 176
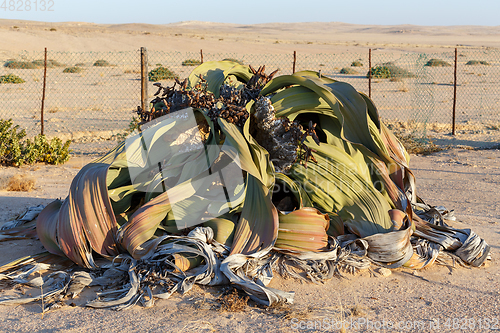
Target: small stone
385, 272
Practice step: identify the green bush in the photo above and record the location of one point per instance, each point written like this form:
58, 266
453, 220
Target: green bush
356, 63
348, 70
477, 62
389, 70
32, 64
11, 78
437, 63
102, 63
74, 69
191, 62
379, 72
161, 73
16, 151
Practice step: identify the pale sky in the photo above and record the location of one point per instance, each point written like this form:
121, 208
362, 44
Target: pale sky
381, 12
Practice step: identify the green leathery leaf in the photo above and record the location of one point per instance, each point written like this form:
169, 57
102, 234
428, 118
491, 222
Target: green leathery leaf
314, 74
372, 110
260, 157
242, 72
117, 177
334, 186
336, 225
343, 99
223, 230
201, 160
215, 73
297, 190
298, 103
257, 227
236, 146
143, 223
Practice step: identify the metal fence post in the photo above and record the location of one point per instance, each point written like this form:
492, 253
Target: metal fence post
454, 94
43, 89
370, 73
294, 61
144, 78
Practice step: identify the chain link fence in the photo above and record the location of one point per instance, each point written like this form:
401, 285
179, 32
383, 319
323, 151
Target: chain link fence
85, 91
98, 91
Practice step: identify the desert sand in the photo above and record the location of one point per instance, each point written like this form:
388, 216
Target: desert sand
461, 179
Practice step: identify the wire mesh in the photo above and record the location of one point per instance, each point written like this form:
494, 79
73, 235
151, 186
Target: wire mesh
98, 91
85, 91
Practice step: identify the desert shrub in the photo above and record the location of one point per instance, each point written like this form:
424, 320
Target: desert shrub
477, 62
348, 70
16, 151
356, 63
80, 64
389, 70
53, 29
11, 78
74, 69
379, 72
191, 62
161, 73
50, 63
234, 60
416, 145
102, 63
14, 64
437, 63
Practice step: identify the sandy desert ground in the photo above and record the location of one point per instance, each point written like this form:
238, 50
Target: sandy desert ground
461, 179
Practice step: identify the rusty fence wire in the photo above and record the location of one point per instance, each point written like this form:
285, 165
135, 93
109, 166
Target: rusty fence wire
98, 91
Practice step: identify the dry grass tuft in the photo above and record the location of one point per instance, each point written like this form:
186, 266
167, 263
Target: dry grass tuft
416, 145
18, 183
287, 312
131, 71
233, 302
408, 134
357, 310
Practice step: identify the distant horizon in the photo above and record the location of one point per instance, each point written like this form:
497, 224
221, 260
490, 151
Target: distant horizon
383, 13
261, 23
